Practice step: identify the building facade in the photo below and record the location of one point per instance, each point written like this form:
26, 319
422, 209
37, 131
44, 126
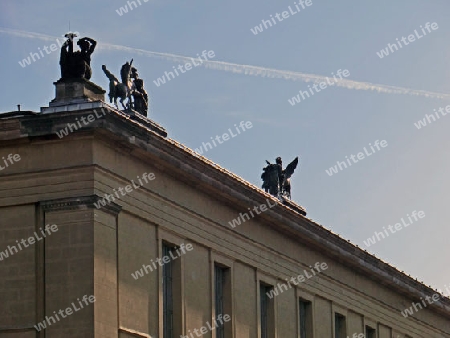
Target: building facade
112, 229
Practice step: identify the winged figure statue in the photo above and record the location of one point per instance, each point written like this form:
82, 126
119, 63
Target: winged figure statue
277, 181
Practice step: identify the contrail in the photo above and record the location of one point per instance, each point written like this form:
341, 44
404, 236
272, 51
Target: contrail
248, 69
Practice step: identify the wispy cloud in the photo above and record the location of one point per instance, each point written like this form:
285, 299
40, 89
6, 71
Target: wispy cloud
30, 35
248, 69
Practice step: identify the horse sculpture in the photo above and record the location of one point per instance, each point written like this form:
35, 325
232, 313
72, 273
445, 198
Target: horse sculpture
122, 89
277, 181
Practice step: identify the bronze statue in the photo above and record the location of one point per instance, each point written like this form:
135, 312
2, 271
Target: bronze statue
276, 181
128, 89
118, 89
76, 64
140, 96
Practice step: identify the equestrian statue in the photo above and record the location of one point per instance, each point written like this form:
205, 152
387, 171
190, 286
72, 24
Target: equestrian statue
120, 89
127, 89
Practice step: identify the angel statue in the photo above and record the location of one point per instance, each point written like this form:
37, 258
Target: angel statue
276, 181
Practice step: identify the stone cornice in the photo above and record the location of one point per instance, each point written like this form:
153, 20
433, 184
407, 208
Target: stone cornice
79, 203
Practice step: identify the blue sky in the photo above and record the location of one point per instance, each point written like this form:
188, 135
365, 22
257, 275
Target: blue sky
411, 173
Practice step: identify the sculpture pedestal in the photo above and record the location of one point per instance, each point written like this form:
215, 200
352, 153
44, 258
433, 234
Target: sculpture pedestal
76, 91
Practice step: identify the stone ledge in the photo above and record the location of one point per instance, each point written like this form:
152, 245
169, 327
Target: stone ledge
74, 106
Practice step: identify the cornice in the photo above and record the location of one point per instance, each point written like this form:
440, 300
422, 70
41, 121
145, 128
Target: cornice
79, 203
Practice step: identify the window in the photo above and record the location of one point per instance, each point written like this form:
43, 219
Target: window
167, 295
223, 301
370, 333
305, 313
339, 326
171, 272
267, 311
219, 282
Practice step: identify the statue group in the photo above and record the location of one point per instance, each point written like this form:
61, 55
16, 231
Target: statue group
277, 181
131, 86
133, 97
77, 64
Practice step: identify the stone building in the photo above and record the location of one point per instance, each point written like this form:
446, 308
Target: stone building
109, 228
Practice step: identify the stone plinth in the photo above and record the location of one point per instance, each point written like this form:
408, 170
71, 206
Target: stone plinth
76, 91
